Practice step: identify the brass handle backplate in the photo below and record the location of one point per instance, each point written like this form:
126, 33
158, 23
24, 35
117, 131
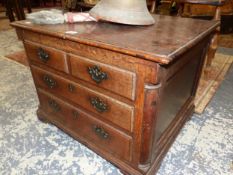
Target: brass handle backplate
54, 105
101, 132
49, 81
96, 74
44, 56
98, 104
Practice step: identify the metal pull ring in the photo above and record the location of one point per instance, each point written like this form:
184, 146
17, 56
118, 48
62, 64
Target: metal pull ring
54, 105
101, 132
96, 74
49, 81
43, 55
98, 104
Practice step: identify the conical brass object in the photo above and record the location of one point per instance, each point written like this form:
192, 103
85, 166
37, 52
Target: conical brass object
133, 12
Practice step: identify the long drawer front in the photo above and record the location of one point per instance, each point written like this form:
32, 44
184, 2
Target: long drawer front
103, 106
88, 128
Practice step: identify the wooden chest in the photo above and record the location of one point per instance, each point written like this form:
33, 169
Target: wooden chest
207, 10
123, 91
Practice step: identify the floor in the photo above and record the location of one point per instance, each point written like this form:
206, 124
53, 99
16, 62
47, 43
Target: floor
27, 146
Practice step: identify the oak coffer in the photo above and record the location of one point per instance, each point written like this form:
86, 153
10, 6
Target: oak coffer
123, 91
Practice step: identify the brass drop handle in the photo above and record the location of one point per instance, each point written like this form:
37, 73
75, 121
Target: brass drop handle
96, 74
54, 105
43, 55
98, 104
49, 81
71, 87
101, 132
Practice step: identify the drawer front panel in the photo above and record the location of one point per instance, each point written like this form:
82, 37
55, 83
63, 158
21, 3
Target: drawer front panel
90, 129
117, 80
47, 56
105, 107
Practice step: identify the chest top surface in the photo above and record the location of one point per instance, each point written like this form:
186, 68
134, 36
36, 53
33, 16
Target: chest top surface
162, 42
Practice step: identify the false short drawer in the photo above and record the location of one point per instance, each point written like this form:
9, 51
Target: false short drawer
47, 56
78, 123
109, 77
101, 105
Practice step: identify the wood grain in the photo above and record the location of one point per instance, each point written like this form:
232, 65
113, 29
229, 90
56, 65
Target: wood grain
118, 80
117, 112
78, 121
56, 58
153, 76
